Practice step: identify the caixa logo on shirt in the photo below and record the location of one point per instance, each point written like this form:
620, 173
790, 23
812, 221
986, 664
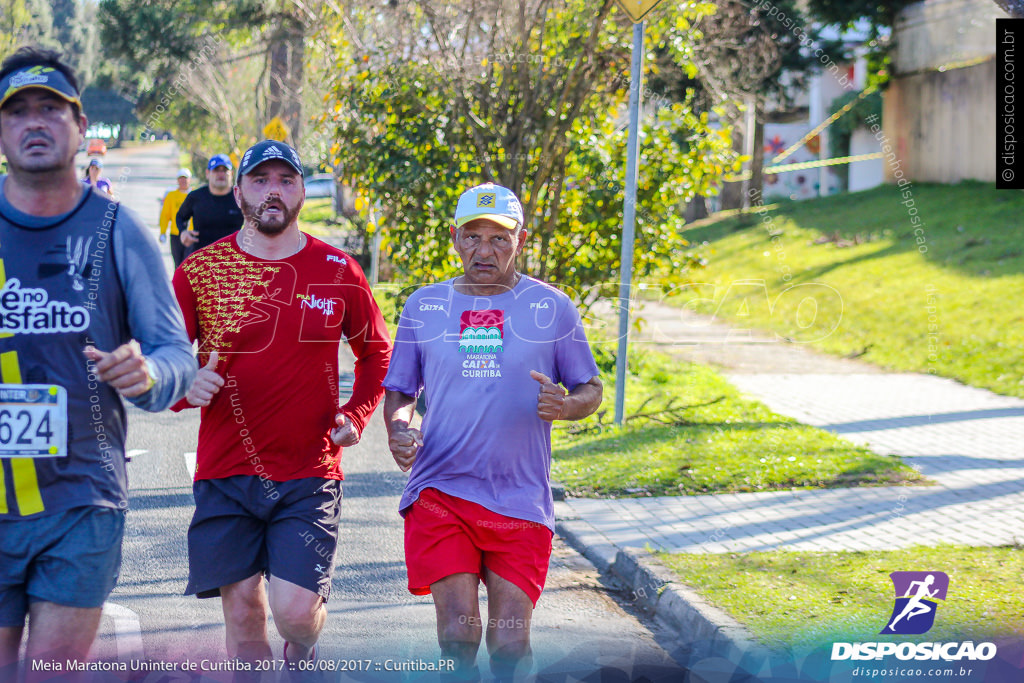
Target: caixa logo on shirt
30, 311
481, 331
481, 339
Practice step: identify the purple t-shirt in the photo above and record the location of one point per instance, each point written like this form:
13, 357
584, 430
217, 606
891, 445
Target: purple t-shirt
472, 356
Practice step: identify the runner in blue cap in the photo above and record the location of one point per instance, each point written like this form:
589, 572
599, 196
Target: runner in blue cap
212, 208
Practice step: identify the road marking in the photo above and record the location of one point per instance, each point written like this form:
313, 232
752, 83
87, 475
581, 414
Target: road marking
190, 464
135, 451
127, 631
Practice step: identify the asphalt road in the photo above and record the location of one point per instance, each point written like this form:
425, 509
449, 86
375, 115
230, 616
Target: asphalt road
583, 629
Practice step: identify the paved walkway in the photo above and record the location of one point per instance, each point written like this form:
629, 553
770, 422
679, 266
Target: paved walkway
969, 441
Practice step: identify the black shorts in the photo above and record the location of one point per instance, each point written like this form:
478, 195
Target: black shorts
70, 558
245, 525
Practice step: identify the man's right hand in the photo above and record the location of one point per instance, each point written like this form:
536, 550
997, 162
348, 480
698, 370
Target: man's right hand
206, 384
189, 237
163, 237
404, 444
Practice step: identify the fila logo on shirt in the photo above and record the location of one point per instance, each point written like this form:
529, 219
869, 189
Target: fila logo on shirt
541, 305
337, 259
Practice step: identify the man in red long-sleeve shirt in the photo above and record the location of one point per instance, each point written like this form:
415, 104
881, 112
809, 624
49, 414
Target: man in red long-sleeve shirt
269, 306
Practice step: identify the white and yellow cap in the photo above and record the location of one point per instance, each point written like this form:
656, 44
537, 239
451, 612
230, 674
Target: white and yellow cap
490, 201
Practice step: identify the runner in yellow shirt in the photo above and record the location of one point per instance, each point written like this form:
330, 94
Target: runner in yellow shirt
172, 202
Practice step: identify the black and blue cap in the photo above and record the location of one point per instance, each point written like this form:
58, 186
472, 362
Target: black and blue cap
45, 77
268, 150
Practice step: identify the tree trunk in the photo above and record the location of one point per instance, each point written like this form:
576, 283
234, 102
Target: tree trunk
284, 96
696, 209
755, 186
732, 193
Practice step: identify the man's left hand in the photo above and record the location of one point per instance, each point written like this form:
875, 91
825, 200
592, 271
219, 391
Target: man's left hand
345, 433
550, 399
124, 368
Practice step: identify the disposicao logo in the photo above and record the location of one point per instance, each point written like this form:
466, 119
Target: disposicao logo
917, 596
913, 613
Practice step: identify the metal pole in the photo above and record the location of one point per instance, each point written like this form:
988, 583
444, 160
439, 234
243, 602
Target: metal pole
628, 220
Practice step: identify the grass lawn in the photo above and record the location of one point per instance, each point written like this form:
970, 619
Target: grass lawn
316, 216
804, 599
710, 441
848, 275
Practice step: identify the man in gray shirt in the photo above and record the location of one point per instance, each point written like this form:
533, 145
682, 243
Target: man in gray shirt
86, 317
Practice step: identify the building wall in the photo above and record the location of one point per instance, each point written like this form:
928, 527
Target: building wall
823, 88
934, 33
864, 174
943, 124
939, 115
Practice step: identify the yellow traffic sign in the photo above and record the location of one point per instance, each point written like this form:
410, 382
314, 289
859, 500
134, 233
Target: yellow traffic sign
276, 130
638, 9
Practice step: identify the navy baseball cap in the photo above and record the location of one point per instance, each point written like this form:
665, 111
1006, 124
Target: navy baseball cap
266, 150
39, 76
219, 160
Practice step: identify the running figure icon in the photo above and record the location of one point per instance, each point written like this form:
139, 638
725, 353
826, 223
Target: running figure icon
915, 606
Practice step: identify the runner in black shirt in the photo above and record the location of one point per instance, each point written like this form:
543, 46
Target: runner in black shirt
212, 208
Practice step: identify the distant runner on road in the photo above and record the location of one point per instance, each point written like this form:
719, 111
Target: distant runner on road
490, 350
92, 176
86, 317
212, 208
269, 306
168, 215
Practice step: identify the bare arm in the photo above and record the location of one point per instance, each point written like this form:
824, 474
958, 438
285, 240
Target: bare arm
403, 440
553, 403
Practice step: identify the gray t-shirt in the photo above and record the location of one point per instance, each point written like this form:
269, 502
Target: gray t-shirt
92, 276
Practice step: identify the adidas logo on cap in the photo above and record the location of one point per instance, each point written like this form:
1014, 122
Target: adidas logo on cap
267, 150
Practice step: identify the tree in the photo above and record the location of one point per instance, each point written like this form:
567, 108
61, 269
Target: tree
741, 52
65, 25
1015, 8
75, 30
14, 17
878, 14
529, 95
214, 73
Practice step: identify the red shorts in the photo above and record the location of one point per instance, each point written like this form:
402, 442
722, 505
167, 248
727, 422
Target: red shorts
445, 535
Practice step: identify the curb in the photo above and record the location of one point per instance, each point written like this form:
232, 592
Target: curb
657, 589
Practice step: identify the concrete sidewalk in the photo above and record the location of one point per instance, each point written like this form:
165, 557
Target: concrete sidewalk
969, 441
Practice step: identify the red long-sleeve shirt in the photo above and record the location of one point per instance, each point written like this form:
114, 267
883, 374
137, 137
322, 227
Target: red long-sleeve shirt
277, 326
